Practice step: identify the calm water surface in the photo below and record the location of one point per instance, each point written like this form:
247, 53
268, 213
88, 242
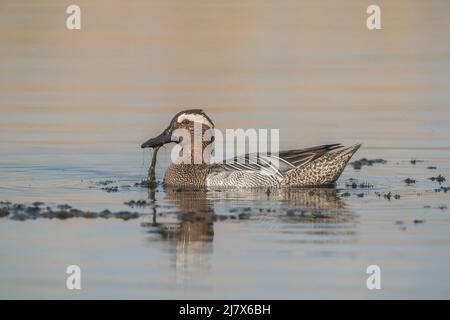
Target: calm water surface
75, 107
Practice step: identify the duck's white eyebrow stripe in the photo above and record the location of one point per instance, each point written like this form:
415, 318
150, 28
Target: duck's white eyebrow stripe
194, 118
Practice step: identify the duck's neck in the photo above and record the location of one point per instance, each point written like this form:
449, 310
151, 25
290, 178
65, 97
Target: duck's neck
199, 151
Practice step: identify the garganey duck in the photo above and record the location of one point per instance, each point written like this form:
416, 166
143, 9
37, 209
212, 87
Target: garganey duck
315, 166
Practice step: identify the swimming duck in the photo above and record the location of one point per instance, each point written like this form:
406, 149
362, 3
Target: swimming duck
315, 166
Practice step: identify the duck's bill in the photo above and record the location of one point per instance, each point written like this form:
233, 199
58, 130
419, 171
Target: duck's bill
158, 141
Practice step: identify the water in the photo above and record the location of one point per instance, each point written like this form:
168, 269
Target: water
76, 105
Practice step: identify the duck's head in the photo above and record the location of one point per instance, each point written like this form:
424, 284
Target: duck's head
187, 120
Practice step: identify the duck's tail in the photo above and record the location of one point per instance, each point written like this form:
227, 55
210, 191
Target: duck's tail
324, 170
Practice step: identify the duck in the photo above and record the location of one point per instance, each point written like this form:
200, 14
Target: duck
308, 167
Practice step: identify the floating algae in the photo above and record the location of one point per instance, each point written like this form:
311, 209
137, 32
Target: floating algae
151, 180
358, 164
22, 212
440, 178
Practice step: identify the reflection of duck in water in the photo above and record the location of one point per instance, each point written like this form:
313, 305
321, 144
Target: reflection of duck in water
195, 218
195, 221
318, 205
191, 235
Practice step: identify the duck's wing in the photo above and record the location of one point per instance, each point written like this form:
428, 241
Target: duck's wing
275, 164
300, 157
255, 162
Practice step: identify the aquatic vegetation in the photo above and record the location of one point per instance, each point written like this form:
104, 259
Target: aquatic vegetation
64, 207
143, 183
355, 185
319, 216
138, 203
105, 182
246, 209
22, 212
108, 187
388, 195
358, 164
151, 171
151, 181
244, 216
111, 189
3, 212
440, 178
442, 188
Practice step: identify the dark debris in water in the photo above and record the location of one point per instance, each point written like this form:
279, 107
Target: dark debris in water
402, 224
23, 212
108, 186
146, 184
415, 161
409, 181
111, 189
396, 196
431, 168
244, 216
440, 178
244, 209
105, 182
442, 207
207, 216
138, 204
38, 203
3, 212
388, 195
355, 185
358, 164
442, 189
318, 216
314, 214
63, 207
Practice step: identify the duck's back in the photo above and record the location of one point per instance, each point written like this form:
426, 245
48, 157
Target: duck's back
323, 170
